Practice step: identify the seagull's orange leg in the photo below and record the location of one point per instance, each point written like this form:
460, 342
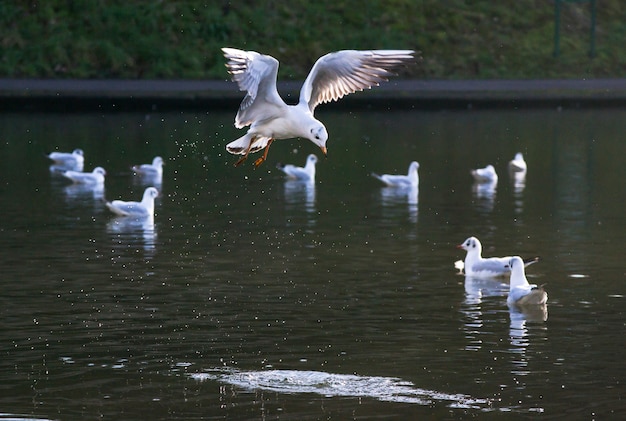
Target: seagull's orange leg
264, 157
243, 158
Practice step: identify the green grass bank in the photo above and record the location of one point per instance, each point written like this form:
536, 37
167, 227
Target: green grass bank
456, 39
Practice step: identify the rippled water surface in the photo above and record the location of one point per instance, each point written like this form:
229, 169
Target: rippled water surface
252, 297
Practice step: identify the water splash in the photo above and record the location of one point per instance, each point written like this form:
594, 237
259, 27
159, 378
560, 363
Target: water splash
388, 389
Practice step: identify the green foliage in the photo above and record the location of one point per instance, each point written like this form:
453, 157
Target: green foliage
182, 39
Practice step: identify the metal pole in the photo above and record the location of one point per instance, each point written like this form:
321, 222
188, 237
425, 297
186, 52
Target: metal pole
592, 41
557, 25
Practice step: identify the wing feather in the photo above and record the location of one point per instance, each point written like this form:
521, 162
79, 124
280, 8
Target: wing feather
256, 74
344, 72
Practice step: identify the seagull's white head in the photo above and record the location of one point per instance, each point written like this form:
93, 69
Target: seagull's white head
518, 275
150, 193
471, 245
318, 135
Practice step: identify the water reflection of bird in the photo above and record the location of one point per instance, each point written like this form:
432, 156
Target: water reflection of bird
485, 175
477, 288
306, 173
78, 191
73, 161
521, 293
409, 180
476, 265
145, 208
332, 77
300, 192
486, 194
391, 196
131, 230
96, 177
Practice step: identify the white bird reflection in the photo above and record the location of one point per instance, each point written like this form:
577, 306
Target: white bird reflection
84, 191
391, 196
134, 231
485, 195
59, 169
148, 180
518, 180
300, 192
475, 290
519, 333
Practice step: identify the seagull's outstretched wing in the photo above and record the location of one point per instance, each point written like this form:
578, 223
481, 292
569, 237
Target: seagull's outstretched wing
344, 72
256, 74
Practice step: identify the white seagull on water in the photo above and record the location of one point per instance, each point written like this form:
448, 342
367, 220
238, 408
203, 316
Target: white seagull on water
522, 293
409, 180
306, 173
332, 77
485, 175
74, 160
518, 164
151, 170
145, 208
491, 267
94, 178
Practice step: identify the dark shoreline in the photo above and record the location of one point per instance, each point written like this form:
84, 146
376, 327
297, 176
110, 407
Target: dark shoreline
58, 95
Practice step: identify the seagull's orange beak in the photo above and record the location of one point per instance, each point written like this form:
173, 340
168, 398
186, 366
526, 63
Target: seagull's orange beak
324, 150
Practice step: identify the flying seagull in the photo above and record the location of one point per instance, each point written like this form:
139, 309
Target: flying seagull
332, 77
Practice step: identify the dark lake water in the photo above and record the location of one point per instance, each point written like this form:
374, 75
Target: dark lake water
255, 298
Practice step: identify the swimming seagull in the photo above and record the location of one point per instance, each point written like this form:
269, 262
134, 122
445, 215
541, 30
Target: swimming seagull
332, 77
491, 267
517, 164
485, 175
520, 291
409, 180
74, 160
145, 208
96, 177
299, 173
154, 169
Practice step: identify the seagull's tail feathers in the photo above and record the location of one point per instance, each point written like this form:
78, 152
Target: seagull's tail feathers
528, 262
245, 142
378, 177
116, 210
